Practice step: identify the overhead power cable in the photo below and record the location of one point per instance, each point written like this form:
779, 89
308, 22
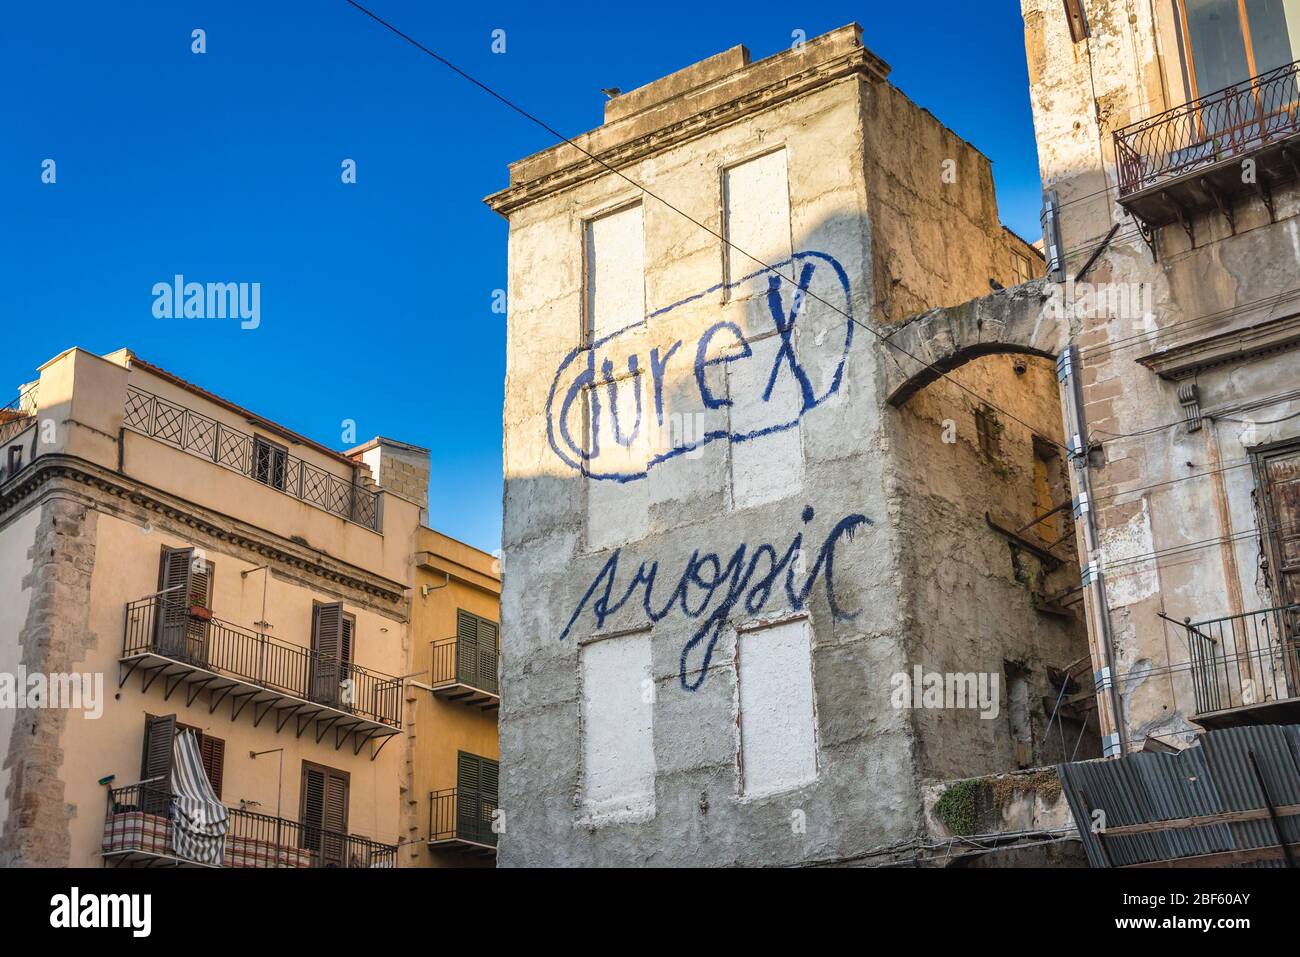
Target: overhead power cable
925, 366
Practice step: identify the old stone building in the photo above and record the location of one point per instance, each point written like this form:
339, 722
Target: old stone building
771, 577
1169, 143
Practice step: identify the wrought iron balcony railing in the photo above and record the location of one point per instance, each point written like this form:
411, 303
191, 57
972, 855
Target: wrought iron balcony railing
157, 626
466, 664
139, 827
1224, 125
18, 414
462, 815
1245, 661
240, 452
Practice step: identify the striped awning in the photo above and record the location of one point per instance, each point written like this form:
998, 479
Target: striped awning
199, 819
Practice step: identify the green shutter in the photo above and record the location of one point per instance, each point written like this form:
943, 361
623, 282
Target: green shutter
466, 648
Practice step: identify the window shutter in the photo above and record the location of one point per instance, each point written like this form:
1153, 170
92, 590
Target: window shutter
172, 610
466, 648
491, 774
488, 633
156, 762
327, 642
468, 786
213, 752
324, 813
1078, 20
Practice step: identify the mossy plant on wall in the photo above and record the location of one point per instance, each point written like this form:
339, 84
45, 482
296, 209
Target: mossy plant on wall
955, 808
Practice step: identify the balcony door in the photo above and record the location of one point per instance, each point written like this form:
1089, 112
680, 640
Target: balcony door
331, 660
183, 609
323, 813
1278, 478
1238, 43
476, 797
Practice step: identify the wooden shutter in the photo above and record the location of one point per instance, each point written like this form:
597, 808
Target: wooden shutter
1078, 20
490, 773
488, 645
156, 759
327, 643
468, 787
466, 648
213, 752
324, 812
172, 617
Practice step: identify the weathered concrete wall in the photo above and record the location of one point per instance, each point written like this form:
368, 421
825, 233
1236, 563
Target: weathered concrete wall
1158, 486
722, 564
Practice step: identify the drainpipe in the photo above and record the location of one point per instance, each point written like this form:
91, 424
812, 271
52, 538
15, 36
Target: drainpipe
1110, 712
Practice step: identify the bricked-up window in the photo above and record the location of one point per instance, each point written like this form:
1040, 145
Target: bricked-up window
989, 431
756, 219
1077, 17
614, 268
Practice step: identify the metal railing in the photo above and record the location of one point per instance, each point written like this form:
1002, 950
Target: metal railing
140, 821
1231, 122
462, 814
18, 414
1243, 660
458, 662
240, 452
165, 627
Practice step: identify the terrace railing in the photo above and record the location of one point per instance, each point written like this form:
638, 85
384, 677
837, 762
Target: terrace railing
462, 814
139, 823
240, 452
18, 414
153, 626
1230, 123
1243, 660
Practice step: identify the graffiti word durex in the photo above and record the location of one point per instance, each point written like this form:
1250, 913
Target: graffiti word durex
711, 588
588, 380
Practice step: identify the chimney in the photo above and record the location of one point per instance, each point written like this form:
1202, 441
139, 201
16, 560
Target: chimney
398, 468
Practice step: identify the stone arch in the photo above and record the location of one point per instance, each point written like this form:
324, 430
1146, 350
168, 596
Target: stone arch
1019, 320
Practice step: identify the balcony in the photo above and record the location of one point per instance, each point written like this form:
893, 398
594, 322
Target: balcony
138, 831
17, 416
187, 649
1188, 159
240, 452
1245, 667
466, 672
461, 819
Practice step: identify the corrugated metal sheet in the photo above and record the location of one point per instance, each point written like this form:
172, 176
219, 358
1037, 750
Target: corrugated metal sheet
1214, 775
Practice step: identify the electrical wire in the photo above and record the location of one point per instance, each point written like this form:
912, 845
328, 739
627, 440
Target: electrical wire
925, 366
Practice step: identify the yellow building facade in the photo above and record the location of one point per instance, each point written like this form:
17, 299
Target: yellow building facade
199, 603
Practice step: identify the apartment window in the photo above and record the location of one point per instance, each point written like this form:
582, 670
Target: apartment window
477, 786
323, 812
332, 634
614, 267
1277, 470
1226, 42
756, 220
269, 462
157, 754
184, 593
476, 650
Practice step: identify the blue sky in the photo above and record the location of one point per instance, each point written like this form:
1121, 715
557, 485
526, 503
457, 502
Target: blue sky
375, 297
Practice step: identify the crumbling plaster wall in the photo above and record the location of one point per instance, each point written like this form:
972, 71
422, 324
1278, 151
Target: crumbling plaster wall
1200, 286
976, 603
560, 593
